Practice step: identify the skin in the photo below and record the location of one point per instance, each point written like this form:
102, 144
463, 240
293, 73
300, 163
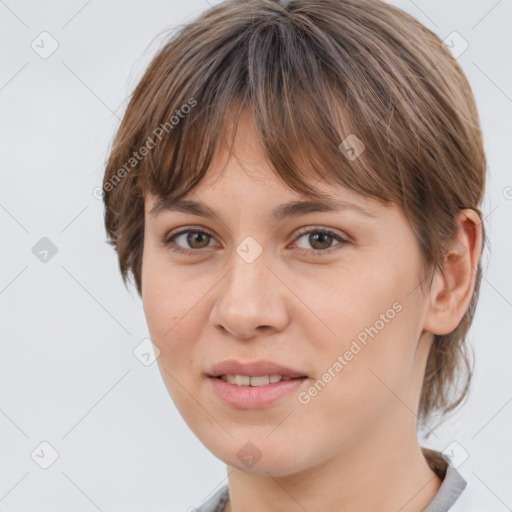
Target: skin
354, 446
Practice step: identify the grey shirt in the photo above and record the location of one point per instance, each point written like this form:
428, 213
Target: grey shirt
451, 488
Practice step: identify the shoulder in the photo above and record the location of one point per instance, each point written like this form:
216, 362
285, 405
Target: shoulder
215, 503
472, 499
457, 494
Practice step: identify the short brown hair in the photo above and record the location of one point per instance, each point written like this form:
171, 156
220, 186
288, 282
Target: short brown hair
312, 73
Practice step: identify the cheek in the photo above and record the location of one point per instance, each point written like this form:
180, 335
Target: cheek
170, 329
370, 339
169, 317
359, 304
165, 308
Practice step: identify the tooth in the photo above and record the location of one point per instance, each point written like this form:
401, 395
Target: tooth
259, 381
242, 380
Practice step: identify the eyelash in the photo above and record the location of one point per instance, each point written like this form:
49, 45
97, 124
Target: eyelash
168, 241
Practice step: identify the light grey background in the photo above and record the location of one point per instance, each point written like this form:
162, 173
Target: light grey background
68, 373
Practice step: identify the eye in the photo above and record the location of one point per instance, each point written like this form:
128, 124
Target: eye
197, 240
321, 240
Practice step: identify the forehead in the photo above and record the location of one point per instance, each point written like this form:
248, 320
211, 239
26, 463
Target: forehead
205, 202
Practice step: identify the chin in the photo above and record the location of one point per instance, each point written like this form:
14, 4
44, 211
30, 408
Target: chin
260, 457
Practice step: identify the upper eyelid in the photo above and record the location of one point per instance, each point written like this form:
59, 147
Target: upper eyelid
299, 231
186, 229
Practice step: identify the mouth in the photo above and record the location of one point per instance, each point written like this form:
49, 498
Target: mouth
254, 384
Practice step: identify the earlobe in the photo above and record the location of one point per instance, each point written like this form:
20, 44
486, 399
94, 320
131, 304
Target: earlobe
453, 285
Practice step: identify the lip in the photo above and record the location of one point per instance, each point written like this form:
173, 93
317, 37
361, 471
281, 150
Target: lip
252, 369
253, 397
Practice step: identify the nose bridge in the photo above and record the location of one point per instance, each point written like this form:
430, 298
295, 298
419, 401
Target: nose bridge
249, 297
246, 283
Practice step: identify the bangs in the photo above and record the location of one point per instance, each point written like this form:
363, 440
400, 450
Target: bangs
310, 114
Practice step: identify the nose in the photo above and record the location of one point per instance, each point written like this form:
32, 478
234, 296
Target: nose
250, 301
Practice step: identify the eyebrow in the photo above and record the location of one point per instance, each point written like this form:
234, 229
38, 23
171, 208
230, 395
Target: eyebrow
291, 209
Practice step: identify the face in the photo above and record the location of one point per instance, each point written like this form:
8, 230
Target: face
333, 295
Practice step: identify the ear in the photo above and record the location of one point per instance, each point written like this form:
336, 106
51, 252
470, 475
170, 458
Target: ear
453, 285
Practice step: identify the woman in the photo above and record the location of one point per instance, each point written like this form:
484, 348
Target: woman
327, 159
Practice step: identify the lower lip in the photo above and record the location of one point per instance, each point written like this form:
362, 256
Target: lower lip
254, 397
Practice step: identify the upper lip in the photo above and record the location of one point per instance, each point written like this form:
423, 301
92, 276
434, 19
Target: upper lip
252, 369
